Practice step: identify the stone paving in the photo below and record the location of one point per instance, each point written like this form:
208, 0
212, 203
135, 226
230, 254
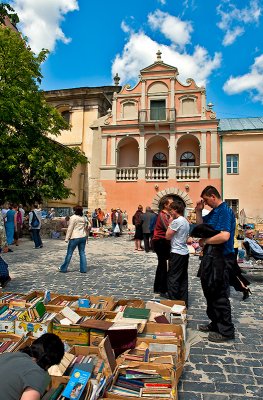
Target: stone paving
232, 371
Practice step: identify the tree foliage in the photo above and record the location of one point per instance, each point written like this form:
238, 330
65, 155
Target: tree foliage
32, 166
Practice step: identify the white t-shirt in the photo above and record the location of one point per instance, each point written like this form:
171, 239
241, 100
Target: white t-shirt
178, 242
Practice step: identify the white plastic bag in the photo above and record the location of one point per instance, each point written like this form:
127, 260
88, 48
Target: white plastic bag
117, 229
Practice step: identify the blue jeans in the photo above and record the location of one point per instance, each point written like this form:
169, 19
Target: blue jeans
73, 243
36, 237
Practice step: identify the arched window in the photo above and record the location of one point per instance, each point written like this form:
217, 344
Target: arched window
66, 115
187, 159
159, 160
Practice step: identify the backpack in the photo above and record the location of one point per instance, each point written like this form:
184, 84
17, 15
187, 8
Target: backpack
35, 221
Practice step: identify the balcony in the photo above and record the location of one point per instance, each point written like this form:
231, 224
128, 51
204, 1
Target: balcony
156, 174
188, 173
127, 174
159, 174
156, 115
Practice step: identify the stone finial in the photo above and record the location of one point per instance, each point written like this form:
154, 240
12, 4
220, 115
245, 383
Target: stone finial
116, 79
210, 106
159, 53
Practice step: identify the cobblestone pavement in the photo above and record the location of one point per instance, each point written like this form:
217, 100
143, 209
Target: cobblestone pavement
231, 371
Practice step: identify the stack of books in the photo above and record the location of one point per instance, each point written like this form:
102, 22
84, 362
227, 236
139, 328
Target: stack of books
142, 383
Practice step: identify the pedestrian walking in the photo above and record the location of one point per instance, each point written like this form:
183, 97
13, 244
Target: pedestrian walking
10, 224
76, 236
94, 217
218, 258
35, 225
162, 246
177, 233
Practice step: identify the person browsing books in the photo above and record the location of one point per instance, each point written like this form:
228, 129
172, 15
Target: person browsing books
177, 233
24, 373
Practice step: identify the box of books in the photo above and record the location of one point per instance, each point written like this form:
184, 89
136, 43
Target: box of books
67, 326
9, 342
62, 301
34, 319
121, 304
154, 381
96, 303
96, 336
34, 297
7, 318
8, 297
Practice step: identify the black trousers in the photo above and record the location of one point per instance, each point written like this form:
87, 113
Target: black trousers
162, 249
218, 306
146, 241
177, 277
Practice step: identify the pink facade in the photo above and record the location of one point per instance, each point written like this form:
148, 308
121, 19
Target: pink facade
160, 138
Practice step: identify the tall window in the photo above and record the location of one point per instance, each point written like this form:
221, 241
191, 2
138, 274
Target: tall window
187, 159
233, 203
159, 160
232, 163
157, 112
66, 115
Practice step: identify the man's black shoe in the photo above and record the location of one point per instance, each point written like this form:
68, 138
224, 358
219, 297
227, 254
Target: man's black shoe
205, 328
218, 338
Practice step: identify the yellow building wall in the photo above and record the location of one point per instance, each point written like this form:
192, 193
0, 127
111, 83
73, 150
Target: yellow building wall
247, 185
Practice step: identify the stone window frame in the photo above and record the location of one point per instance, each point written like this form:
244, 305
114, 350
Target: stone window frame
186, 97
125, 101
65, 107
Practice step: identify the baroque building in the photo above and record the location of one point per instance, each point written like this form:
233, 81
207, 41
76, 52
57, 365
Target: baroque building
160, 138
155, 139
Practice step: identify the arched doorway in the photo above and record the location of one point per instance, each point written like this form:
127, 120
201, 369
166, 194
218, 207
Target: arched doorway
173, 192
175, 197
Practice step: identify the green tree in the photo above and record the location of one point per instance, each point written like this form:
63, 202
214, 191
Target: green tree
32, 166
7, 11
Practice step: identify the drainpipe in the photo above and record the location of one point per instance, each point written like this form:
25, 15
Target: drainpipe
221, 166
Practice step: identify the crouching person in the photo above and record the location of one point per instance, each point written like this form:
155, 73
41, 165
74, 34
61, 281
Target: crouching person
24, 373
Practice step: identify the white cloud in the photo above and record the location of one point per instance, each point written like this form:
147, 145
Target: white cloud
234, 19
162, 2
40, 21
139, 52
173, 28
231, 35
252, 81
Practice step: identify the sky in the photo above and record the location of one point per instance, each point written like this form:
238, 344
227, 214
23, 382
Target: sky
219, 44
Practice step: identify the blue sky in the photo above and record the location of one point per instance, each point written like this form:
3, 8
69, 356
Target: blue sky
217, 43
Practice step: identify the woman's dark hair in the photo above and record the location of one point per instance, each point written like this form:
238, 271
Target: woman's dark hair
48, 350
178, 206
78, 210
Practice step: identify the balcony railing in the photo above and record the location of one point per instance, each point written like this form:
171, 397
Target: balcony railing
187, 173
156, 174
157, 114
127, 174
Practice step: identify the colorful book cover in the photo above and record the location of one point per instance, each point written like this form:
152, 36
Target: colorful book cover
76, 384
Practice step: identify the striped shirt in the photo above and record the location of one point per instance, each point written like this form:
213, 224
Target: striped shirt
222, 218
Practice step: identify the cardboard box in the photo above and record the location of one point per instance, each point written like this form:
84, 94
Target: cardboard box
38, 293
135, 303
37, 328
73, 334
165, 370
7, 326
6, 337
96, 336
6, 301
66, 298
100, 303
